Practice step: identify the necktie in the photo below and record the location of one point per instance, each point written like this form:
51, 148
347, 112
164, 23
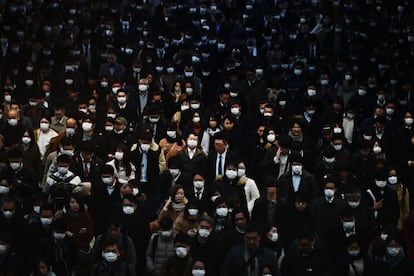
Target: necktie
86, 170
220, 165
198, 195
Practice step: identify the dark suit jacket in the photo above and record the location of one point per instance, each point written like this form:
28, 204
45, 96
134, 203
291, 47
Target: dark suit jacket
260, 215
94, 175
118, 74
211, 163
307, 186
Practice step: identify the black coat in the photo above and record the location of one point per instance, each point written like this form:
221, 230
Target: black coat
260, 215
104, 268
307, 186
342, 267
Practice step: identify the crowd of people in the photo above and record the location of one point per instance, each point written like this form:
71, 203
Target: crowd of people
245, 138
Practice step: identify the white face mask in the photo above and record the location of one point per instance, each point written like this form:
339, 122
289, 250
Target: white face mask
196, 119
198, 184
166, 234
70, 131
172, 133
198, 272
12, 122
107, 180
353, 253
44, 126
189, 90
181, 252
121, 100
15, 166
46, 221
271, 138
7, 98
380, 183
241, 172
58, 236
110, 257
188, 74
26, 140
119, 155
231, 174
337, 147
311, 92
195, 106
393, 251
392, 179
142, 87
362, 92
376, 149
154, 120
128, 210
408, 121
297, 169
274, 237
86, 126
184, 107
111, 115
353, 204
115, 89
192, 143
104, 84
4, 189
348, 225
193, 212
109, 128
145, 147
174, 172
329, 193
62, 170
222, 211
67, 152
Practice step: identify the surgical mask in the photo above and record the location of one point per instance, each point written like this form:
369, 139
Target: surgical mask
241, 172
188, 74
274, 237
329, 193
384, 236
109, 128
362, 92
235, 110
393, 251
193, 212
104, 84
195, 106
376, 149
111, 115
44, 126
58, 236
128, 210
170, 70
198, 272
181, 252
408, 121
184, 107
172, 133
62, 170
174, 172
297, 72
353, 253
29, 82
12, 122
348, 77
4, 189
107, 180
389, 111
87, 126
191, 143
119, 155
67, 152
83, 110
380, 183
337, 130
143, 87
145, 147
329, 160
267, 114
311, 92
154, 120
8, 98
348, 225
110, 257
46, 221
297, 169
353, 204
222, 211
310, 111
15, 166
204, 233
70, 131
26, 140
337, 147
324, 82
198, 184
392, 179
121, 100
230, 174
271, 138
166, 234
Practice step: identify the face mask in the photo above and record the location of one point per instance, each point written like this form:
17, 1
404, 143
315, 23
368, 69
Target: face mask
337, 147
230, 174
29, 82
128, 210
393, 251
70, 131
171, 133
389, 111
4, 189
166, 234
350, 116
12, 122
282, 103
353, 253
184, 107
348, 225
376, 149
145, 147
44, 126
274, 237
198, 272
198, 184
324, 82
62, 170
46, 221
154, 120
181, 252
191, 143
392, 179
26, 140
104, 84
110, 257
353, 204
233, 95
83, 110
241, 172
111, 115
271, 138
15, 166
109, 128
170, 70
107, 180
58, 236
7, 98
329, 193
362, 92
408, 121
222, 211
235, 110
329, 160
267, 114
67, 152
193, 212
297, 169
87, 126
142, 87
380, 183
384, 236
204, 233
348, 77
195, 106
311, 92
121, 100
188, 74
174, 172
310, 111
119, 155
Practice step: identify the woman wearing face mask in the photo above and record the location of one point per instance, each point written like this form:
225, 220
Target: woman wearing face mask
80, 229
175, 204
250, 188
394, 261
186, 222
112, 263
124, 169
221, 216
43, 135
214, 126
196, 125
31, 153
302, 143
172, 143
199, 267
353, 261
394, 183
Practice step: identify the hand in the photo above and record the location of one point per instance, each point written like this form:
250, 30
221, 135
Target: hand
278, 152
69, 234
378, 205
192, 232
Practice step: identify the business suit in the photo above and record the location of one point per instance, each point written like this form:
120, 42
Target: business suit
212, 163
307, 186
118, 72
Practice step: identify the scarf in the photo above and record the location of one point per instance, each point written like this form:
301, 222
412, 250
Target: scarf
297, 138
178, 207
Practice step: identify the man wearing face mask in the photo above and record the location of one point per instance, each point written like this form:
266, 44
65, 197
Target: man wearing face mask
326, 166
124, 107
154, 120
13, 222
112, 262
252, 90
190, 76
112, 69
144, 96
86, 164
181, 261
192, 156
120, 135
13, 127
297, 179
160, 246
63, 175
33, 110
58, 248
326, 220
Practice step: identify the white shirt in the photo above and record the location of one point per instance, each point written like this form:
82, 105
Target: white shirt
144, 166
223, 158
191, 152
43, 141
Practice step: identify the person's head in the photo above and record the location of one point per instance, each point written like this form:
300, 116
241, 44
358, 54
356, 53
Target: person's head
394, 246
222, 208
353, 196
63, 163
220, 142
46, 214
166, 225
129, 204
271, 184
296, 162
59, 227
231, 170
329, 187
296, 128
42, 267
15, 158
198, 180
111, 250
108, 175
75, 204
240, 218
114, 226
352, 246
198, 267
177, 194
87, 151
252, 237
182, 245
192, 141
306, 241
8, 207
301, 201
205, 226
